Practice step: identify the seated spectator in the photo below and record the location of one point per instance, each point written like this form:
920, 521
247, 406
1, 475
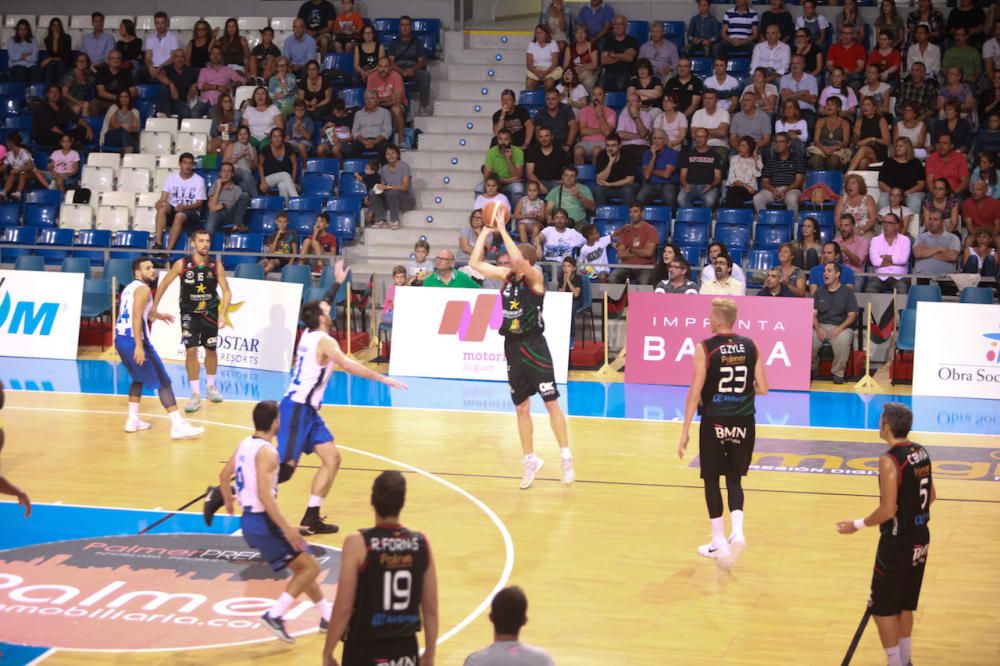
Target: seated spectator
955, 125
876, 90
529, 214
726, 87
491, 193
980, 211
989, 101
716, 250
660, 172
129, 45
647, 86
227, 202
571, 92
886, 59
778, 16
370, 178
20, 169
122, 125
446, 275
160, 47
792, 275
849, 55
913, 130
853, 246
225, 120
659, 52
542, 62
261, 116
263, 61
301, 129
924, 52
904, 171
299, 48
678, 278
839, 89
871, 137
506, 161
740, 31
909, 219
388, 306
809, 244
687, 87
889, 254
891, 24
278, 166
467, 240
391, 91
283, 87
597, 18
618, 53
716, 121
557, 241
967, 58
615, 169
583, 58
406, 54
661, 271
594, 255
575, 198
943, 200
967, 16
856, 202
182, 196
921, 93
927, 16
782, 177
936, 251
372, 127
213, 80
544, 162
704, 32
987, 139
235, 48
555, 16
320, 18
335, 136
367, 53
596, 121
22, 54
53, 118
954, 89
315, 92
571, 281
946, 163
97, 44
243, 156
835, 312
60, 52
766, 94
419, 267
636, 246
197, 51
850, 16
772, 56
774, 286
700, 173
791, 123
744, 169
77, 85
324, 244
673, 123
64, 165
979, 256
178, 94
514, 118
723, 283
801, 87
560, 119
812, 55
634, 127
347, 27
816, 25
986, 170
830, 147
750, 122
396, 194
281, 245
831, 255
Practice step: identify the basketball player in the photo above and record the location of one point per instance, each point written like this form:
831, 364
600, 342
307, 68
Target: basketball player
6, 487
201, 314
387, 582
255, 465
139, 357
529, 363
906, 492
728, 373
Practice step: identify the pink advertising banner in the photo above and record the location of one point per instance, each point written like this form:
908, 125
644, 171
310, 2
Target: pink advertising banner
663, 330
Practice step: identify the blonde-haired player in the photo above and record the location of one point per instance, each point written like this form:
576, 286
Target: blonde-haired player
728, 373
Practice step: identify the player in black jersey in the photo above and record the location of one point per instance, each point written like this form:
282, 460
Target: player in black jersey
387, 583
906, 492
529, 363
728, 373
203, 313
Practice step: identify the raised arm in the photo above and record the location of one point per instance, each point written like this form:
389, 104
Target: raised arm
477, 260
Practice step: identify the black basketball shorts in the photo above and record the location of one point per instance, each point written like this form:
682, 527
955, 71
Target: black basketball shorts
899, 572
529, 368
726, 445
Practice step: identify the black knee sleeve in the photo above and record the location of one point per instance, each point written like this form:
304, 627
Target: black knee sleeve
713, 497
734, 489
285, 471
135, 390
167, 398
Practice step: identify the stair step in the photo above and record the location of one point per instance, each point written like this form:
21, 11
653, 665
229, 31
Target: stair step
508, 74
443, 219
452, 89
449, 199
486, 56
477, 143
465, 109
441, 160
498, 40
406, 236
455, 125
430, 179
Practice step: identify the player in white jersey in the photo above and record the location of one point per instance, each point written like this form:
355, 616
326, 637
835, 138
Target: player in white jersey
255, 467
302, 428
139, 357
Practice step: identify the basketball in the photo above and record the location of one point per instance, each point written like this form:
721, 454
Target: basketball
495, 213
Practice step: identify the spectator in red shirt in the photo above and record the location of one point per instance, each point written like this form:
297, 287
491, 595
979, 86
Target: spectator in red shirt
636, 245
388, 85
946, 163
850, 55
980, 211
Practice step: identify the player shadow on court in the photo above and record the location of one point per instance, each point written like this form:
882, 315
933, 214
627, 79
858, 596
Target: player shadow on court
271, 354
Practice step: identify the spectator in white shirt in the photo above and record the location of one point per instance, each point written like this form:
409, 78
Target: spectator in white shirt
773, 54
160, 46
889, 254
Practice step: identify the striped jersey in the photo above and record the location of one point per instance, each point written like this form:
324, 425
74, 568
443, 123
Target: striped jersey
123, 325
309, 377
740, 25
246, 474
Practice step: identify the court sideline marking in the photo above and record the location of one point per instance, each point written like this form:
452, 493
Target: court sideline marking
497, 522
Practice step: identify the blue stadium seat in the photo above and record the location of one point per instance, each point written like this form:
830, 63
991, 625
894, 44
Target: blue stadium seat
10, 106
267, 203
21, 124
342, 62
772, 236
834, 179
10, 214
352, 187
701, 67
261, 221
354, 165
311, 203
639, 30
930, 293
702, 215
137, 241
302, 222
616, 100
344, 227
693, 254
62, 238
13, 236
674, 31
586, 172
346, 206
690, 233
532, 98
386, 25
428, 29
52, 197
606, 226
824, 218
41, 215
10, 89
733, 236
612, 212
658, 214
150, 91
741, 216
320, 184
354, 98
297, 274
96, 238
761, 260
738, 67
776, 217
329, 165
27, 262
76, 265
250, 270
981, 295
120, 270
36, 90
252, 244
96, 298
210, 176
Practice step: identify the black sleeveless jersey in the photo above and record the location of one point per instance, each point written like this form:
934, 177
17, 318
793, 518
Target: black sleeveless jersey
913, 494
522, 308
200, 289
390, 585
729, 390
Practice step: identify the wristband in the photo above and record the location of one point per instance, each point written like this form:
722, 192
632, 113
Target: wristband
859, 524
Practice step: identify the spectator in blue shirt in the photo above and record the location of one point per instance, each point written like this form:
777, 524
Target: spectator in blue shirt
299, 48
831, 255
98, 44
659, 170
22, 53
597, 16
704, 31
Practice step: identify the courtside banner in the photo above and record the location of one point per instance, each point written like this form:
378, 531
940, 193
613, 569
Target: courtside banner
40, 313
957, 350
663, 330
260, 324
453, 333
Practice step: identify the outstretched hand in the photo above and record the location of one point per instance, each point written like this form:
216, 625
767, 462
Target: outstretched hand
396, 384
339, 272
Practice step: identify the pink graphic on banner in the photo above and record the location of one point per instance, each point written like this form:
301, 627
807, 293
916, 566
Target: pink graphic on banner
664, 329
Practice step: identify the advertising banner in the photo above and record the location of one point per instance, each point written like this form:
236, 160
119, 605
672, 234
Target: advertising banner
664, 329
40, 313
453, 333
957, 350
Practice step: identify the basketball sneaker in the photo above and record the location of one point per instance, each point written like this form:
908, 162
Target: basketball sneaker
568, 473
185, 430
193, 404
213, 394
723, 555
213, 502
531, 468
277, 625
135, 425
313, 523
737, 542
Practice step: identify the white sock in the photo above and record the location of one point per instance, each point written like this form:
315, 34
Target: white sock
566, 453
133, 411
324, 608
175, 417
737, 519
892, 654
196, 386
315, 500
281, 605
718, 532
531, 457
209, 380
904, 650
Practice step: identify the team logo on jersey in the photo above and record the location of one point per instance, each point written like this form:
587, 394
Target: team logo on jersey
148, 591
471, 324
730, 434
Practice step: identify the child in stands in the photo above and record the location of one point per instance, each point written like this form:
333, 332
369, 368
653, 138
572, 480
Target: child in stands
530, 214
419, 266
64, 165
19, 168
594, 255
282, 244
320, 241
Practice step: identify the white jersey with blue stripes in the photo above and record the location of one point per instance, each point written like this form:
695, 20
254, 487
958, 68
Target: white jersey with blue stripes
310, 377
246, 474
123, 325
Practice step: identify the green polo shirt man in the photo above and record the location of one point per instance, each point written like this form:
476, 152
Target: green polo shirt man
446, 275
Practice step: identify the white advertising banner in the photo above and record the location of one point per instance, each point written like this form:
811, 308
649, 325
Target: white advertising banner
260, 330
453, 333
40, 313
957, 350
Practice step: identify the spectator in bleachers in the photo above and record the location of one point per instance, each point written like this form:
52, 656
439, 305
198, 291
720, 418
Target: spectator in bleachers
263, 61
965, 57
722, 283
419, 266
181, 199
572, 93
980, 211
560, 119
885, 57
557, 241
20, 169
830, 147
979, 256
507, 162
726, 87
909, 219
200, 45
597, 17
876, 90
445, 274
278, 166
129, 45
780, 17
227, 202
647, 86
835, 312
283, 87
920, 92
280, 245
575, 198
672, 122
954, 89
97, 44
837, 87
987, 138
225, 119
347, 28
64, 165
849, 17
715, 250
943, 200
542, 62
853, 246
178, 96
22, 54
214, 80
299, 48
514, 118
336, 132
774, 286
122, 125
740, 31
583, 58
319, 19
751, 122
596, 121
765, 94
406, 53
954, 124
968, 16
554, 16
235, 48
53, 118
782, 177
60, 52
571, 281
902, 171
243, 156
372, 127
817, 26
891, 23
856, 201
925, 15
871, 137
773, 56
659, 51
594, 255
791, 273
636, 244
491, 193
261, 116
809, 244
544, 162
914, 130
467, 240
831, 255
936, 251
315, 92
986, 170
946, 163
848, 54
924, 52
529, 213
618, 53
889, 254
687, 87
616, 169
634, 126
160, 47
791, 123
703, 32
112, 78
744, 170
991, 53
716, 120
77, 84
678, 278
321, 242
391, 91
301, 129
812, 55
368, 53
700, 173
